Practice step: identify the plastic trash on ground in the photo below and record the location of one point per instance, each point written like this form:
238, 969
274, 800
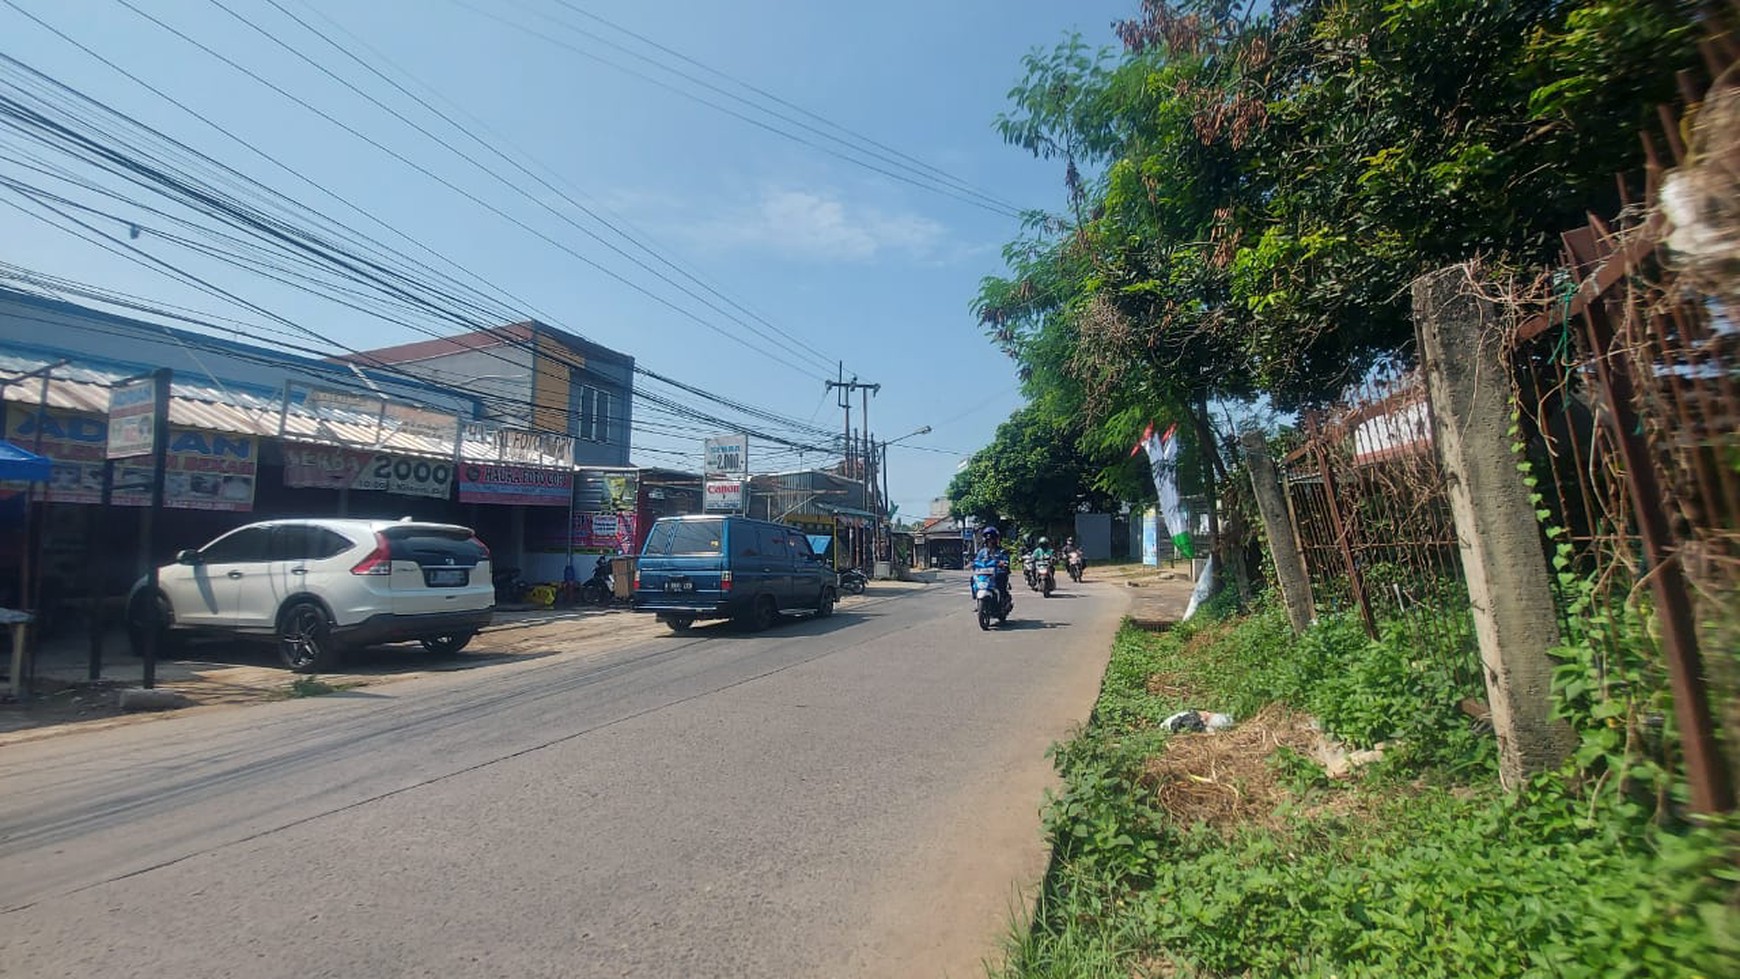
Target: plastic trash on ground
1197, 720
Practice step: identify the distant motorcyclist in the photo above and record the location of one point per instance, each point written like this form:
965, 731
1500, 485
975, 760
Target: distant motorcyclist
1075, 558
1042, 551
993, 558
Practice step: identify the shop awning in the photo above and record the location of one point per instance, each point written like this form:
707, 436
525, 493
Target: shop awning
21, 466
846, 511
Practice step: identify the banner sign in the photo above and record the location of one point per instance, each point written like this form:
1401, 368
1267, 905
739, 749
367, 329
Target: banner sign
727, 455
613, 532
485, 441
202, 471
365, 421
132, 419
515, 485
73, 443
1162, 452
335, 467
723, 495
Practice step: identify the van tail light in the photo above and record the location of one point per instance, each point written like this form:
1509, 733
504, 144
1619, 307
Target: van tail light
379, 561
481, 546
724, 581
637, 579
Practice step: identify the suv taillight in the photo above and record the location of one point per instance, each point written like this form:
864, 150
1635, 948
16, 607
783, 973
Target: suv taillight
482, 547
379, 560
637, 579
725, 581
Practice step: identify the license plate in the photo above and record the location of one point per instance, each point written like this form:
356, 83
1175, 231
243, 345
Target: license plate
679, 586
446, 577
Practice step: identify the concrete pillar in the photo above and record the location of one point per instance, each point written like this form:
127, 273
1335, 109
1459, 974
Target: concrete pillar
1290, 570
1515, 620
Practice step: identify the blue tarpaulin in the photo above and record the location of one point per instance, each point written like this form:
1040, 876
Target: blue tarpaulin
18, 465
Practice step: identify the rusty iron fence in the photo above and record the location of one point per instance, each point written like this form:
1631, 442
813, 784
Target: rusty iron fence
1628, 400
1625, 365
1369, 507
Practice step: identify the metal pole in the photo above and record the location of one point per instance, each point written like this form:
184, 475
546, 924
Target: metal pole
1355, 582
1712, 790
161, 380
99, 515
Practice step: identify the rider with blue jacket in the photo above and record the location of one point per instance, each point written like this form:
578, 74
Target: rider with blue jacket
993, 558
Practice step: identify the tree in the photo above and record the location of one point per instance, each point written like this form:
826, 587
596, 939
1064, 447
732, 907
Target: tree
1033, 473
1249, 194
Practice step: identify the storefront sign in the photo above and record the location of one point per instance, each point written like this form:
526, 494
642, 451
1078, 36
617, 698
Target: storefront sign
723, 495
515, 485
75, 444
365, 421
484, 441
334, 467
132, 419
202, 471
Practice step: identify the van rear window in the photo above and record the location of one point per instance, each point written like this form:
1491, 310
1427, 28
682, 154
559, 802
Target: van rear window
686, 537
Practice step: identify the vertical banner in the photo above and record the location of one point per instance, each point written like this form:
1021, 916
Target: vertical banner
132, 419
1163, 465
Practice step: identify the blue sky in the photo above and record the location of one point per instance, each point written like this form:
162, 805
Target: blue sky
856, 265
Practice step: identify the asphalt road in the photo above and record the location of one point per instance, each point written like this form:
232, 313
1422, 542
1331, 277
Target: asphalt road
855, 796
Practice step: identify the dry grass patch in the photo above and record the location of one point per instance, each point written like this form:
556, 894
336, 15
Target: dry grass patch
1226, 778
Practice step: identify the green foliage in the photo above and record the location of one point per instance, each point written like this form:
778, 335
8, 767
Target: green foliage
1251, 189
1032, 473
1441, 876
310, 686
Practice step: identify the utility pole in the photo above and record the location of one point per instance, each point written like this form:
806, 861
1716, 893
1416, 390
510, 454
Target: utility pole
846, 389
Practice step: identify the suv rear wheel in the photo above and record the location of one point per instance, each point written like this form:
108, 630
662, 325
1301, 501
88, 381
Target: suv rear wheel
305, 640
766, 614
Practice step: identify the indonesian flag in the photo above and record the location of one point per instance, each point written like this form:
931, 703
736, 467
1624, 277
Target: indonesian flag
1162, 452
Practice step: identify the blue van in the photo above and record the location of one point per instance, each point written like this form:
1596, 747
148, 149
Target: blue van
730, 568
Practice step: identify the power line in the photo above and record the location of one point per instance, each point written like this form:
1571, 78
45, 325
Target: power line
634, 239
907, 178
468, 195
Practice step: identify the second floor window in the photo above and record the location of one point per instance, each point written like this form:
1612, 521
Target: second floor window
594, 415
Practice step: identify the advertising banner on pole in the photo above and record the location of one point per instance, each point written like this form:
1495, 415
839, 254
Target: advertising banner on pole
131, 422
336, 467
723, 496
364, 421
727, 455
515, 485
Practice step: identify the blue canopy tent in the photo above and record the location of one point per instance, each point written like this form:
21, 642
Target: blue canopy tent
20, 466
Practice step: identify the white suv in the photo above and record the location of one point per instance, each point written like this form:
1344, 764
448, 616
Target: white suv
317, 586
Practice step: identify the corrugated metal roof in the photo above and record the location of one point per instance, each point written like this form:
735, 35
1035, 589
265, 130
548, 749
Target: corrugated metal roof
211, 409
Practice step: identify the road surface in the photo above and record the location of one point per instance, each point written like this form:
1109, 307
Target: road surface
856, 796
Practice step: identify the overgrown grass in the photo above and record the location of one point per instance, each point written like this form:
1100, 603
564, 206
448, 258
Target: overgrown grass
1423, 867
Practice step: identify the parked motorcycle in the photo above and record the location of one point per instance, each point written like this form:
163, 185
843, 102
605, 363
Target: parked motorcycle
598, 590
1028, 571
1076, 566
1047, 576
989, 604
510, 588
853, 581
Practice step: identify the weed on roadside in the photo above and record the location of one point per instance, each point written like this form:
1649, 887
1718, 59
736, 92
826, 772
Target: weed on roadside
1235, 853
310, 686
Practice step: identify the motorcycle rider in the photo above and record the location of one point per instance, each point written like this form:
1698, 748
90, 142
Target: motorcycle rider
1073, 553
993, 558
1043, 552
